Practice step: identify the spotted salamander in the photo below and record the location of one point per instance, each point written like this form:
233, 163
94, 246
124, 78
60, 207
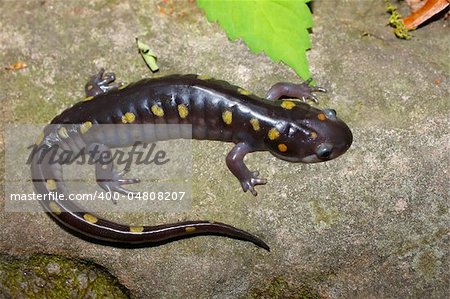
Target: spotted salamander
289, 129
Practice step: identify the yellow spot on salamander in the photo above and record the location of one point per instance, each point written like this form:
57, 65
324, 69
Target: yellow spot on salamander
190, 229
321, 116
54, 208
255, 124
287, 105
128, 118
85, 127
183, 111
90, 218
123, 86
273, 134
282, 147
204, 77
89, 87
158, 111
40, 138
51, 185
88, 99
62, 132
313, 135
136, 229
243, 91
227, 117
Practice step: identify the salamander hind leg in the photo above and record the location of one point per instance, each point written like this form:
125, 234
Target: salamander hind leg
107, 178
100, 83
302, 91
235, 162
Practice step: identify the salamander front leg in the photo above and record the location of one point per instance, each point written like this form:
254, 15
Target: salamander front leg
107, 178
300, 91
100, 83
235, 162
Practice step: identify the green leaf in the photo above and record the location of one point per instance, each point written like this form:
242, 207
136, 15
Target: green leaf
148, 55
277, 27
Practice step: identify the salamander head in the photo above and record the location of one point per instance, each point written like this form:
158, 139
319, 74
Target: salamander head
318, 137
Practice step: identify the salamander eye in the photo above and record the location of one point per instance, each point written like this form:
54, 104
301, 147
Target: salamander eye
324, 150
291, 132
330, 114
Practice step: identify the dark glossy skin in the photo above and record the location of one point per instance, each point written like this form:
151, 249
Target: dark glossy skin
290, 130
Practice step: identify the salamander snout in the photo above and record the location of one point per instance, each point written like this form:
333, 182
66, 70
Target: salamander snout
336, 139
320, 137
